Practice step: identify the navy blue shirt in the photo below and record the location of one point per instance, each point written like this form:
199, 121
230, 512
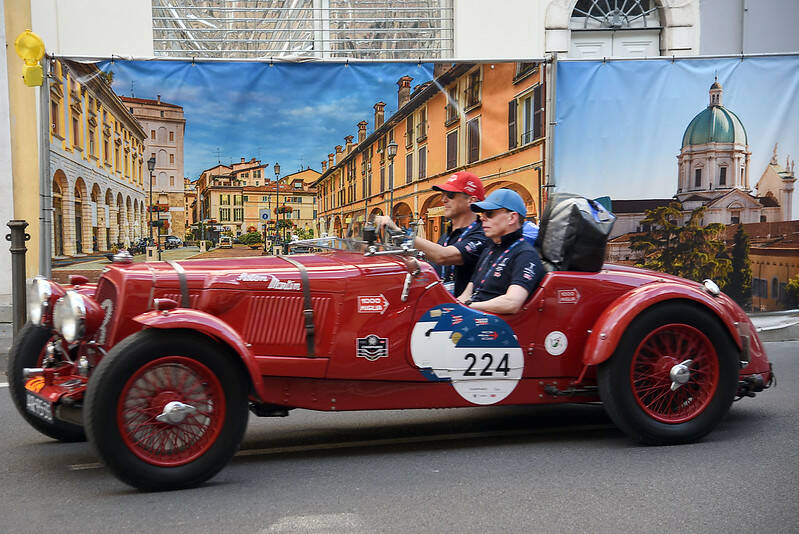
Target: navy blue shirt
470, 242
512, 261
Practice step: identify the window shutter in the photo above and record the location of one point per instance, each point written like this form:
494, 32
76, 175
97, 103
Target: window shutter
452, 149
409, 168
512, 123
474, 140
423, 162
538, 117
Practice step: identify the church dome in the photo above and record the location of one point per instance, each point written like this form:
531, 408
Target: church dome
715, 123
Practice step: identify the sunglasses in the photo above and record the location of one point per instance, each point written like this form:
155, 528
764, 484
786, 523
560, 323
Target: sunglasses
489, 214
451, 194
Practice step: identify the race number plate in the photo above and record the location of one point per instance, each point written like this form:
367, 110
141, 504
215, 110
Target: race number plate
39, 407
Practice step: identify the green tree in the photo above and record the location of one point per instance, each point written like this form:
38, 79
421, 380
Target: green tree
792, 292
304, 233
739, 281
251, 238
689, 250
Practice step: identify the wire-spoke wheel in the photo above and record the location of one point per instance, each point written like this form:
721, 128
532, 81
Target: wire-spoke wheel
149, 393
654, 362
672, 377
167, 409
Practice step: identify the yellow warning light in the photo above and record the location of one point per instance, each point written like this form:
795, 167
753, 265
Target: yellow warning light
30, 48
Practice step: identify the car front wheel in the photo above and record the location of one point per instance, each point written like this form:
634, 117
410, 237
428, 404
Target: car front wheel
673, 376
166, 409
28, 351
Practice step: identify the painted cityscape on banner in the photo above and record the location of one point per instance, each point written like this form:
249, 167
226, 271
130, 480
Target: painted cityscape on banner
713, 138
291, 113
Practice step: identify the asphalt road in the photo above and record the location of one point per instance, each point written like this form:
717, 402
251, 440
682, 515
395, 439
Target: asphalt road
515, 469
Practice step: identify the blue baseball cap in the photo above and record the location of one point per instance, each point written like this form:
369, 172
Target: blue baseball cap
501, 198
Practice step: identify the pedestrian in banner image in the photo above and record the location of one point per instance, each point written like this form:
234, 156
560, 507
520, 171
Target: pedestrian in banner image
456, 253
509, 269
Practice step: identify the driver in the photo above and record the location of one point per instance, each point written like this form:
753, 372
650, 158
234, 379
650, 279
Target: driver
456, 253
509, 269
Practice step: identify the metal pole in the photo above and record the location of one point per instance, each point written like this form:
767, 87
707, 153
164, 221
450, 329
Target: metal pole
18, 250
391, 185
45, 189
277, 208
151, 208
551, 88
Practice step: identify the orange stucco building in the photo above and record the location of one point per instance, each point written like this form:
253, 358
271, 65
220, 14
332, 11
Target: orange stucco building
484, 118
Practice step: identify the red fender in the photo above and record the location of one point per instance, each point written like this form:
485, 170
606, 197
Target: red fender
612, 324
209, 325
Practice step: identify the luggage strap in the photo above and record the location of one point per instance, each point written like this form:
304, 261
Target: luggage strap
307, 311
184, 286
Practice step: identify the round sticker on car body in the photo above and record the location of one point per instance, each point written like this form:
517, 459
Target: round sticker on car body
477, 353
556, 343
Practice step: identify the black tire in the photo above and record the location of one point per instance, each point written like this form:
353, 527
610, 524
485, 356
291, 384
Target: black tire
639, 399
206, 371
28, 351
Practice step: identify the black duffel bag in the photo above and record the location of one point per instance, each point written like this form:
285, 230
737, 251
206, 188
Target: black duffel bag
574, 233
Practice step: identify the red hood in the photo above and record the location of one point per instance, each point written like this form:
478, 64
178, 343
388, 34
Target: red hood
230, 273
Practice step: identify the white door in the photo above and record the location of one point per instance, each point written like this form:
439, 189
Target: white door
610, 43
636, 43
591, 44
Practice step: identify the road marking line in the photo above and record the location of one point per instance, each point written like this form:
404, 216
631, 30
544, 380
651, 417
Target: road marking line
3, 384
395, 441
82, 467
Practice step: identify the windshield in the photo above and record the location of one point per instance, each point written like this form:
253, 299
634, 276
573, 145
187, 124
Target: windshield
354, 239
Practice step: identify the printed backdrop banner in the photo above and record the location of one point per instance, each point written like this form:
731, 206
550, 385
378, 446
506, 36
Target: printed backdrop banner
697, 157
328, 125
620, 124
291, 113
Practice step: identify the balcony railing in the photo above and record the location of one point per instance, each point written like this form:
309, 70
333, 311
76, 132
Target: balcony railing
528, 137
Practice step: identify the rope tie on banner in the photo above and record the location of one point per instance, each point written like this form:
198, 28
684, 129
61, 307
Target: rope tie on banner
672, 58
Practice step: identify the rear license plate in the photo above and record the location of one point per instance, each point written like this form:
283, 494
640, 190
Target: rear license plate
39, 407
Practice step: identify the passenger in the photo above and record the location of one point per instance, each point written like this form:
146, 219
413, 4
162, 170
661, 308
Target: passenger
456, 253
509, 269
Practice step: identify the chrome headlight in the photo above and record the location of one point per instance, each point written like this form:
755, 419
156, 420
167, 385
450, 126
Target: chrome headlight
69, 316
39, 293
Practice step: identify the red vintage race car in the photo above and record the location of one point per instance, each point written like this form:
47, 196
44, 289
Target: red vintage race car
159, 363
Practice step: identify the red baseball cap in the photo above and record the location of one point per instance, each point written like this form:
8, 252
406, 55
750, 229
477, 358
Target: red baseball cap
463, 182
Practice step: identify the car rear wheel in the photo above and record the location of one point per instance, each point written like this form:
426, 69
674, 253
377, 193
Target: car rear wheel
167, 409
673, 376
28, 351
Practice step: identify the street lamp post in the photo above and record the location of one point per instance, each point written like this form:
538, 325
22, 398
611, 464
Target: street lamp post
151, 167
269, 211
202, 220
277, 203
392, 152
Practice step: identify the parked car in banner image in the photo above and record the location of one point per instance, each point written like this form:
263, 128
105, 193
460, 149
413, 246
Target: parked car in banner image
225, 242
160, 363
172, 241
